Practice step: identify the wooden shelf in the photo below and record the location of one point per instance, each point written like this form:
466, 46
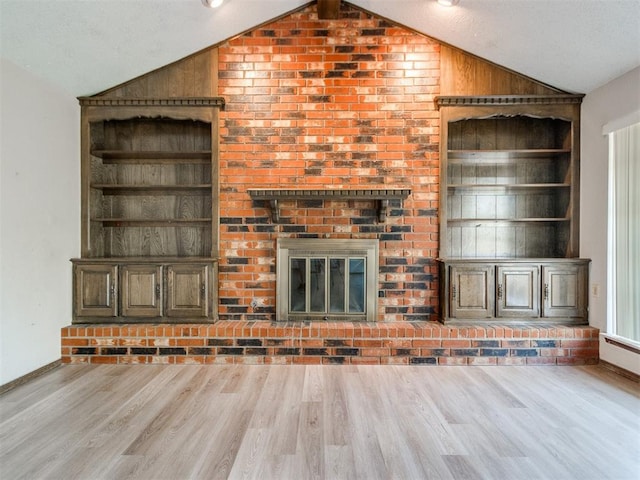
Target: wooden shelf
172, 222
497, 157
194, 189
477, 222
149, 210
501, 189
152, 157
509, 190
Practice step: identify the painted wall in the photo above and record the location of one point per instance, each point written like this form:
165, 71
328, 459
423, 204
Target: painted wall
39, 218
617, 99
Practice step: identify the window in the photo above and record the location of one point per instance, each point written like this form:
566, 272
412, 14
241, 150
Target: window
327, 279
624, 233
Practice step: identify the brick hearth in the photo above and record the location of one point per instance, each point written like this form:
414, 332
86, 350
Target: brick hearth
263, 342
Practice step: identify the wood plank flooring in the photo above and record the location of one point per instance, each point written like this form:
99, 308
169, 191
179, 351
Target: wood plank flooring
321, 422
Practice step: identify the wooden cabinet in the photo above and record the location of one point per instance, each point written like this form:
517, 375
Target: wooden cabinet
509, 209
137, 292
149, 186
95, 290
149, 178
471, 291
187, 292
510, 177
515, 290
565, 290
141, 290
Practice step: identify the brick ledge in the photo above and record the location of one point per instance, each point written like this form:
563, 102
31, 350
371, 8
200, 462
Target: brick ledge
263, 342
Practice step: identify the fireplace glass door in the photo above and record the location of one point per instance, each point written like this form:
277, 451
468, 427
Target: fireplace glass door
333, 285
321, 284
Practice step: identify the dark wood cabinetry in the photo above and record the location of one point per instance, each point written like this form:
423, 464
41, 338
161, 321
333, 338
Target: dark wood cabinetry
95, 290
149, 194
188, 290
143, 289
510, 191
565, 290
517, 291
471, 291
514, 290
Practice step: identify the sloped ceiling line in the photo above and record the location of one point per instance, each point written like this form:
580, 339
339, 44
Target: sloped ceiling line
87, 46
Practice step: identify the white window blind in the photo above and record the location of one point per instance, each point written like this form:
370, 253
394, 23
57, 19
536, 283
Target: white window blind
624, 232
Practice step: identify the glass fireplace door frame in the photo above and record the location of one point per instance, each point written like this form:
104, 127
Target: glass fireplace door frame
310, 273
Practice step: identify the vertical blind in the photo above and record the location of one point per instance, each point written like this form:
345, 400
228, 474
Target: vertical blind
624, 232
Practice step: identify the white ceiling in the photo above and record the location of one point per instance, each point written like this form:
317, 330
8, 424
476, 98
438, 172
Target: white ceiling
86, 46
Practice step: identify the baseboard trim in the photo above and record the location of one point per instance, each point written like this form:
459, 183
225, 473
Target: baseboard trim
625, 344
620, 371
29, 376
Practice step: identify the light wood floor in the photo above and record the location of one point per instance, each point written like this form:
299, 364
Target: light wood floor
332, 422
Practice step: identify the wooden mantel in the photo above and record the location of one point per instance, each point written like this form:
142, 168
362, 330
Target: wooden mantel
382, 196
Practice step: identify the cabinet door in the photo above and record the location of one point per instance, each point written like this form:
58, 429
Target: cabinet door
141, 290
95, 290
517, 291
564, 291
471, 291
188, 290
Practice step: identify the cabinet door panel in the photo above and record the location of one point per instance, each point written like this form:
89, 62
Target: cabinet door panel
141, 290
518, 291
471, 293
95, 290
188, 290
564, 293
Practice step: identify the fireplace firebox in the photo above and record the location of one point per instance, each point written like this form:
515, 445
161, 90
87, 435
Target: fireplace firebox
327, 279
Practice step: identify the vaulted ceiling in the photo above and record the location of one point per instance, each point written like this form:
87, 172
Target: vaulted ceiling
86, 46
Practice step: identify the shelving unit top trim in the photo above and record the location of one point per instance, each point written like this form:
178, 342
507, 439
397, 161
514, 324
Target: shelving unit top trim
178, 108
151, 102
494, 100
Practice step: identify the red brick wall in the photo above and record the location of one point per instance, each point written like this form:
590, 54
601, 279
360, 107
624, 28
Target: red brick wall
398, 343
344, 103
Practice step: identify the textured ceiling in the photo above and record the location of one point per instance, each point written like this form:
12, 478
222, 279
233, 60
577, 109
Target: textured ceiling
86, 46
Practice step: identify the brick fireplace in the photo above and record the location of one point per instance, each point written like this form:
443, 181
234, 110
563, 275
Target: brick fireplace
341, 106
346, 104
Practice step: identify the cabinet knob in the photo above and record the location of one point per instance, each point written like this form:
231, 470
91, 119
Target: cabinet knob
500, 290
112, 290
203, 290
546, 291
157, 290
454, 292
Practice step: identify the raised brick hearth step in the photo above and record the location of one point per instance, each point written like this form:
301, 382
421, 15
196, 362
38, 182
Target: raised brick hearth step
260, 342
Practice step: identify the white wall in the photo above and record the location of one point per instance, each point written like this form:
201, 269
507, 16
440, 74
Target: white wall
39, 218
617, 99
